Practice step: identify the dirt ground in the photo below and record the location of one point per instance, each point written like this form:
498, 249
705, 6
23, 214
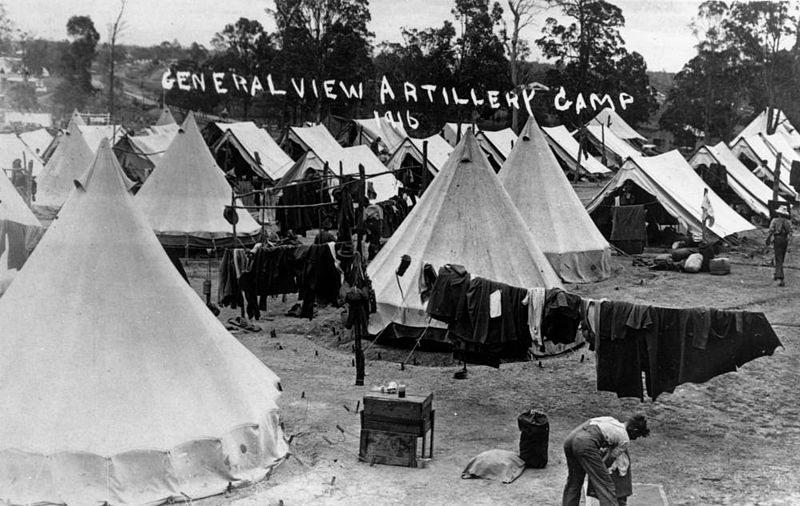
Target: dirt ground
731, 441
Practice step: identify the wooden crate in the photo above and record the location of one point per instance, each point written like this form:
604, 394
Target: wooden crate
390, 448
390, 406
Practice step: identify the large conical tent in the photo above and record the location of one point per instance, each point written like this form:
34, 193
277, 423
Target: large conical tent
558, 221
129, 391
70, 159
185, 197
465, 217
165, 118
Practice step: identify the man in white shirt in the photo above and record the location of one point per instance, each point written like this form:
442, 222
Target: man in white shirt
589, 446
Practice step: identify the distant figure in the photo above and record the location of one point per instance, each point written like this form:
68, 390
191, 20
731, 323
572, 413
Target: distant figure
375, 146
591, 448
780, 235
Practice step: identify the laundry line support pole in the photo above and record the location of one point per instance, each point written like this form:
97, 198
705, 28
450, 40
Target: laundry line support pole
776, 182
362, 200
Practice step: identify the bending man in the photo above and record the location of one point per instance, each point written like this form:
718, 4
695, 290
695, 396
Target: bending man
584, 451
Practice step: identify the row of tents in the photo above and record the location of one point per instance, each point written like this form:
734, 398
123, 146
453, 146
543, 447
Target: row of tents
139, 343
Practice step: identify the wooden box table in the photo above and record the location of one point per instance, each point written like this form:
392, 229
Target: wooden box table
391, 426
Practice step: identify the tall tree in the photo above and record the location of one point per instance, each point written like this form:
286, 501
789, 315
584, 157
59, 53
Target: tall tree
243, 48
589, 52
330, 37
759, 30
425, 56
707, 27
522, 16
482, 63
76, 88
114, 31
7, 30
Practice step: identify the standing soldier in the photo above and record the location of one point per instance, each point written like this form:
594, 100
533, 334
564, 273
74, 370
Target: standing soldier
780, 234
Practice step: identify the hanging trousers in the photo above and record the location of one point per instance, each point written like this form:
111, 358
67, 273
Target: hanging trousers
780, 244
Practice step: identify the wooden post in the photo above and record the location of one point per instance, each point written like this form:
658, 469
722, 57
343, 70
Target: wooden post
776, 181
603, 142
28, 175
325, 170
581, 141
424, 167
362, 200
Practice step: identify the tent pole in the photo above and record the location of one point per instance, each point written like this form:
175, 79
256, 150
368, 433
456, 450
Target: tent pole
776, 182
361, 200
424, 166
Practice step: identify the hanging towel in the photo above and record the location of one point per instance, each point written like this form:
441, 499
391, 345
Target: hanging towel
535, 302
495, 307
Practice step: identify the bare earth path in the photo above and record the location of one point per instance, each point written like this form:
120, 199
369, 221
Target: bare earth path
731, 441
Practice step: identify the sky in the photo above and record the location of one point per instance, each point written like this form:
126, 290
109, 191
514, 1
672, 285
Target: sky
658, 29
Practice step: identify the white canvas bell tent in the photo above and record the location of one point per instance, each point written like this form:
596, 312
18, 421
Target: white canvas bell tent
617, 149
316, 138
12, 148
614, 122
139, 154
465, 217
552, 210
410, 154
185, 196
497, 145
70, 159
759, 126
751, 190
141, 394
367, 130
166, 118
672, 182
752, 150
38, 141
566, 148
256, 147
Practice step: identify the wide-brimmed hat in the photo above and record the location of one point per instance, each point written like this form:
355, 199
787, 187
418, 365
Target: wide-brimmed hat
345, 252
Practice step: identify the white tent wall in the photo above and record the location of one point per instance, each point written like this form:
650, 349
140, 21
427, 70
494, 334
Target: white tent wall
450, 131
759, 126
465, 217
566, 148
617, 149
673, 182
141, 394
497, 144
614, 122
744, 183
37, 140
13, 148
70, 159
552, 210
438, 151
390, 133
257, 147
756, 149
316, 138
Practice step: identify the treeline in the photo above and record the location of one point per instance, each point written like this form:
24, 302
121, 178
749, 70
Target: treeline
479, 48
748, 58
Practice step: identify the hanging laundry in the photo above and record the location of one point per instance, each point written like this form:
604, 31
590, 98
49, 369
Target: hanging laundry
450, 288
535, 303
495, 301
427, 278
